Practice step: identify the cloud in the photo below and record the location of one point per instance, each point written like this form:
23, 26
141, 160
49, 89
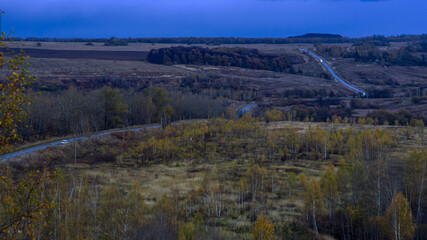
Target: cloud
244, 18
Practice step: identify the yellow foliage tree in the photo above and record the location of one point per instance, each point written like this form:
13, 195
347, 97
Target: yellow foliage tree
13, 87
292, 179
186, 231
415, 175
313, 201
274, 115
263, 229
329, 185
24, 204
399, 217
256, 176
302, 179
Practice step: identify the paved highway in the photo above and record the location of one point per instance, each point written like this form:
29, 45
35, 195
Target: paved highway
326, 65
240, 113
244, 109
31, 150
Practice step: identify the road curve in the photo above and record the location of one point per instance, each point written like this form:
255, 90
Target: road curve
241, 112
31, 150
326, 65
245, 109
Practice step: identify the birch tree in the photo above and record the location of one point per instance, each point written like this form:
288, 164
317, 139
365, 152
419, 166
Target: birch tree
400, 219
313, 201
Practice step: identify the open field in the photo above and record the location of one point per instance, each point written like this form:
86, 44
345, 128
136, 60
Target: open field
404, 82
89, 73
84, 54
146, 47
59, 65
92, 73
401, 79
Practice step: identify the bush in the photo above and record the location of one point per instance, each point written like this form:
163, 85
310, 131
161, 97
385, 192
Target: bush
116, 42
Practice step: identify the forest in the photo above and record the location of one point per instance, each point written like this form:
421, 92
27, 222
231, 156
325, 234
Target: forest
77, 112
413, 55
236, 57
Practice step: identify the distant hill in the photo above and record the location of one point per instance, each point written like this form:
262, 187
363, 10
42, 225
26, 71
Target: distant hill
318, 35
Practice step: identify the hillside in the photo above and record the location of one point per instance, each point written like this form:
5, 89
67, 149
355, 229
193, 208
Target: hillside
390, 69
212, 179
341, 166
319, 35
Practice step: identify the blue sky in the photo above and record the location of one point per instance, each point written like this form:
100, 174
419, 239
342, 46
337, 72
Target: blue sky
203, 18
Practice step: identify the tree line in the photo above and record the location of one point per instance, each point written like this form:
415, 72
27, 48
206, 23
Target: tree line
236, 57
202, 40
343, 115
413, 55
307, 38
78, 112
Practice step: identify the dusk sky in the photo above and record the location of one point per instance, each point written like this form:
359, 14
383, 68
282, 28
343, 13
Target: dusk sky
203, 18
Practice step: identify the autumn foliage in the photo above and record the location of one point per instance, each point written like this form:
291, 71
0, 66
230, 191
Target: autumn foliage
263, 229
13, 88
